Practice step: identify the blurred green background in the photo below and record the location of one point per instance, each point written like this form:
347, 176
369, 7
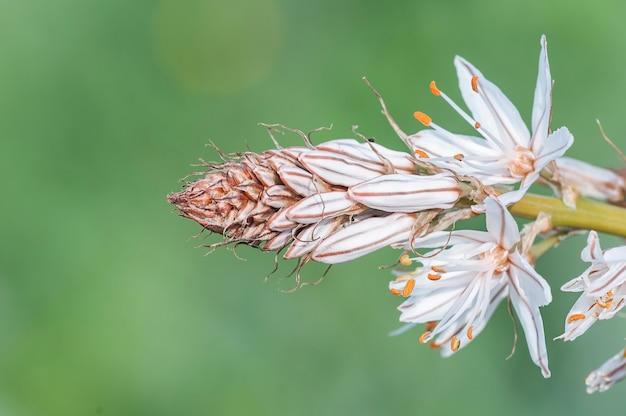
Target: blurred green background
108, 306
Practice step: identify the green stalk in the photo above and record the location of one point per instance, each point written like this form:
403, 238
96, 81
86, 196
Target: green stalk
588, 214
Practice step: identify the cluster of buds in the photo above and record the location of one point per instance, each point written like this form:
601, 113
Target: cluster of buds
336, 201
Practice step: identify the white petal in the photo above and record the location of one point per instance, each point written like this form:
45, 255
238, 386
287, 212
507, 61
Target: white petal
576, 327
407, 193
532, 323
491, 108
542, 104
535, 287
552, 147
363, 237
592, 251
500, 224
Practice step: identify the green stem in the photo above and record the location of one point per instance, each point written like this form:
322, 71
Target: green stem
588, 214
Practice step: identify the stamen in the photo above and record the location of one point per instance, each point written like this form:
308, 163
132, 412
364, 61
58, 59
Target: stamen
405, 260
459, 156
470, 336
395, 291
575, 317
424, 336
408, 288
475, 83
433, 277
433, 345
421, 153
434, 89
422, 118
477, 125
437, 269
454, 343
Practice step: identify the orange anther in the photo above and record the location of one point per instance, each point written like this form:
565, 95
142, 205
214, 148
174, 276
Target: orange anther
395, 291
475, 83
433, 277
477, 125
408, 288
459, 156
454, 343
424, 336
470, 336
405, 260
433, 345
430, 325
575, 317
437, 269
421, 153
434, 89
422, 118
609, 293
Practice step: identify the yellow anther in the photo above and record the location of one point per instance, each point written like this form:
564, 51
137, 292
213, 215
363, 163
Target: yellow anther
421, 153
422, 118
575, 317
434, 89
470, 336
454, 343
433, 277
475, 83
408, 288
424, 336
405, 260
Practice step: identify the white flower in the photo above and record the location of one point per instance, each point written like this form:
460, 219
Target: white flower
589, 180
612, 371
507, 153
461, 283
603, 286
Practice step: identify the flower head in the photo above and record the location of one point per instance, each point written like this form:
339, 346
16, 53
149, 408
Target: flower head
603, 285
465, 278
331, 203
507, 153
